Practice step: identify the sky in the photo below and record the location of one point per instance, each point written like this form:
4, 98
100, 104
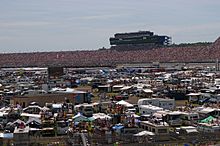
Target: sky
68, 25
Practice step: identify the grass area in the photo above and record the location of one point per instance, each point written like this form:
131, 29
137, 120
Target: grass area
84, 88
184, 102
181, 102
111, 94
45, 141
97, 98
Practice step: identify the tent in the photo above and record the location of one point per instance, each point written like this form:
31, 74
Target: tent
147, 91
101, 116
18, 121
117, 127
208, 119
45, 108
34, 120
90, 119
34, 123
79, 117
124, 103
144, 133
126, 88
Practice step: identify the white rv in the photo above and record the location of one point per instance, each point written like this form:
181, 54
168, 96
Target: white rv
86, 109
148, 109
159, 102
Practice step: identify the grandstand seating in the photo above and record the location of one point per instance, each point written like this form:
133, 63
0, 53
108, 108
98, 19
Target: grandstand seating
110, 57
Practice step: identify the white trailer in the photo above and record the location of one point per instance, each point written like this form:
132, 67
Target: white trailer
149, 109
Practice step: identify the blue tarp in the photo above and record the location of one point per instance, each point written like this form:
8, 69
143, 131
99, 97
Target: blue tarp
6, 135
116, 127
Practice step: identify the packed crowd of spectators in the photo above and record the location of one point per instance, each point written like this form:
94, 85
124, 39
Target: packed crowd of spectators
109, 57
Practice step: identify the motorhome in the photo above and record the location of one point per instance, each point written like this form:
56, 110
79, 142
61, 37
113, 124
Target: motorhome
204, 112
62, 127
85, 109
158, 128
159, 102
148, 109
200, 98
174, 118
190, 118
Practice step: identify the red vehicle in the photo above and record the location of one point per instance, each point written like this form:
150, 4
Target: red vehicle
121, 97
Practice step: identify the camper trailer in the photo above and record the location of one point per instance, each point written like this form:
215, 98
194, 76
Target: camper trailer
149, 109
159, 102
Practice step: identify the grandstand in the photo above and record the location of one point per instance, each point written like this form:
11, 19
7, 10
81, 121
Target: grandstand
109, 57
138, 40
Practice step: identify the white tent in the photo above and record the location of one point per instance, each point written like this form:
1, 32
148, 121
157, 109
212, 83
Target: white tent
101, 116
193, 94
18, 121
79, 117
124, 103
144, 133
45, 108
147, 91
126, 88
136, 116
36, 120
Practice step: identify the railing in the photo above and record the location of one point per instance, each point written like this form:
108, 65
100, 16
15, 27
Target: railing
84, 139
127, 140
55, 141
173, 139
